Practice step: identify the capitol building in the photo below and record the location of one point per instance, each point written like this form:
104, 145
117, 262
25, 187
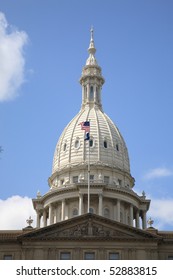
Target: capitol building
91, 210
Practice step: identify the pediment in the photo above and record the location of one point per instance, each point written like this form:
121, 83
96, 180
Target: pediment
88, 226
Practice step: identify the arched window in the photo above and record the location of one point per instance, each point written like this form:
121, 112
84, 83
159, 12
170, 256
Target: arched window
121, 217
106, 213
75, 212
85, 93
91, 93
97, 95
91, 210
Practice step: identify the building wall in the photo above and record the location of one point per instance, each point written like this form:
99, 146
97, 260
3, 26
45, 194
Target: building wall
51, 250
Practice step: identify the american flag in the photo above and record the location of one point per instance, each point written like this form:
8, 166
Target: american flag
85, 126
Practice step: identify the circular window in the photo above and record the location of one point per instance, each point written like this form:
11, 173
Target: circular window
77, 144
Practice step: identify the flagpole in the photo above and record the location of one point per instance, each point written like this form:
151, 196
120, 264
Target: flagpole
89, 176
86, 126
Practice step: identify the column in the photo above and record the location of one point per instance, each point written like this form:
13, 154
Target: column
50, 214
131, 215
63, 210
137, 219
144, 224
80, 204
44, 218
38, 219
100, 204
118, 211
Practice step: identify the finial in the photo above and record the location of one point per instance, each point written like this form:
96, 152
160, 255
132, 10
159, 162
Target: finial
91, 59
150, 222
29, 221
92, 33
91, 48
38, 194
143, 195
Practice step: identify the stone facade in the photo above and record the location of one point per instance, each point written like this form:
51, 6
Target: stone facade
86, 236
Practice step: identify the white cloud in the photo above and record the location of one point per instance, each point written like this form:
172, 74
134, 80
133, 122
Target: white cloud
161, 211
14, 212
12, 60
158, 173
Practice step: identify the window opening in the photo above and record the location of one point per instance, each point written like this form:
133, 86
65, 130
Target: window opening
77, 144
91, 210
106, 213
8, 257
65, 256
75, 179
114, 256
75, 212
91, 93
105, 144
106, 179
91, 142
89, 256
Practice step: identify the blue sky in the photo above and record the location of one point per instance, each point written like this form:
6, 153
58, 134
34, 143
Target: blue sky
43, 47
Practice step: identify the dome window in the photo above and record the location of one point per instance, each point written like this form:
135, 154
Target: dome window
77, 144
117, 147
91, 142
105, 143
64, 147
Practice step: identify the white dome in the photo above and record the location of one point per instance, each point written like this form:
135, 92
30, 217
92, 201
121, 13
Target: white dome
94, 175
108, 154
107, 147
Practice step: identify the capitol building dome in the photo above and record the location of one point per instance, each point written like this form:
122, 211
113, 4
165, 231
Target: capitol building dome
91, 169
107, 147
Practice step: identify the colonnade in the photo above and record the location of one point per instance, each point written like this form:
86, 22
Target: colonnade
49, 213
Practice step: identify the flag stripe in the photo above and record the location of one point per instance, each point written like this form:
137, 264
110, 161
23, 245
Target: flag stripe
85, 126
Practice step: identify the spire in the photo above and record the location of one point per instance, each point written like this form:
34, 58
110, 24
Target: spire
91, 59
91, 79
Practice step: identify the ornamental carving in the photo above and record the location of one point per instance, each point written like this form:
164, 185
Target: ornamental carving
88, 229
